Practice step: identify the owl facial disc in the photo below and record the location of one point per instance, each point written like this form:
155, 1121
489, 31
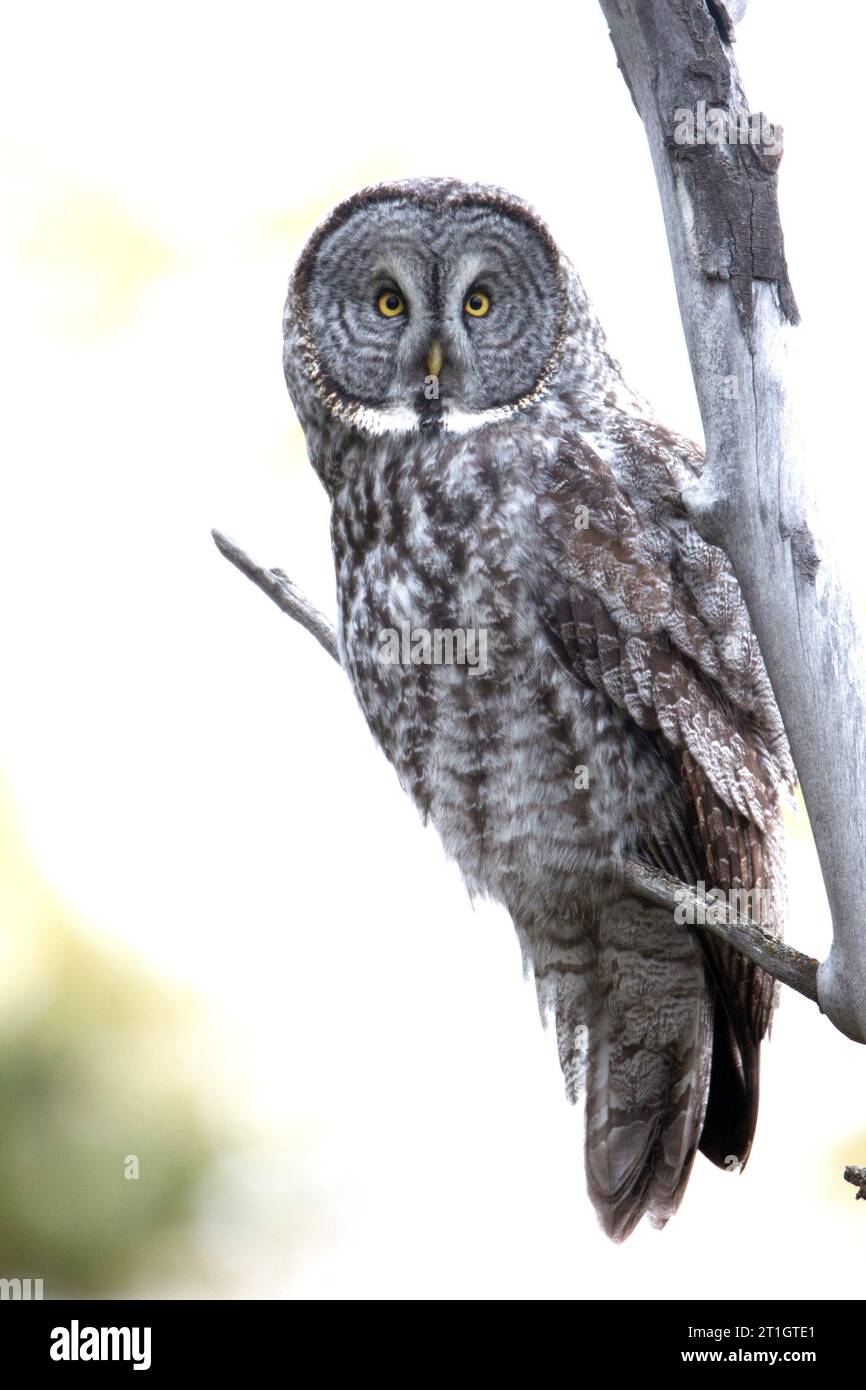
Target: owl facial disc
429, 305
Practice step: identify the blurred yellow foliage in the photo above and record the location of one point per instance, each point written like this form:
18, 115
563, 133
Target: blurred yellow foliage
97, 259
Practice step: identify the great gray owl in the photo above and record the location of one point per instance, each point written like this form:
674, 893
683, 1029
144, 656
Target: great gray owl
560, 669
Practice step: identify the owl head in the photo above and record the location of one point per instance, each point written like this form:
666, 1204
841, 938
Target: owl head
426, 305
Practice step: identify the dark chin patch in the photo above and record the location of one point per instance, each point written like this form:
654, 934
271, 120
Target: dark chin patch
429, 410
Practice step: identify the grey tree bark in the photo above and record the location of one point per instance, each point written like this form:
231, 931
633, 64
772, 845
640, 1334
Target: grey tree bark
718, 196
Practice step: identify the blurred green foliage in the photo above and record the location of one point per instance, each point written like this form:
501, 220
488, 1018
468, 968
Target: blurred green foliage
97, 1064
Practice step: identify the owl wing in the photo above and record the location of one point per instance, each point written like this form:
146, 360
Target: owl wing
652, 616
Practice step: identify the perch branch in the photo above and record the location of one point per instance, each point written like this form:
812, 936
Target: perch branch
716, 166
784, 963
780, 960
285, 595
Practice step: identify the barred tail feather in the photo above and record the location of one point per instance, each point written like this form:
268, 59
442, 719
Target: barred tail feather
649, 1066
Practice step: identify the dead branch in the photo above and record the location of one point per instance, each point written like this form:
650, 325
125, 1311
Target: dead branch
857, 1176
285, 595
716, 166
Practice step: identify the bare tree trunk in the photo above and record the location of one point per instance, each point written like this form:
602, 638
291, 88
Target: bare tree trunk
717, 182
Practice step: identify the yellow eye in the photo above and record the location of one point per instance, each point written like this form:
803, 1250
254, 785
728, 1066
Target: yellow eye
390, 304
477, 304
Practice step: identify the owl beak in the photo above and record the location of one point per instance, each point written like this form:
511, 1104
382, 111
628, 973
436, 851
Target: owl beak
434, 358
